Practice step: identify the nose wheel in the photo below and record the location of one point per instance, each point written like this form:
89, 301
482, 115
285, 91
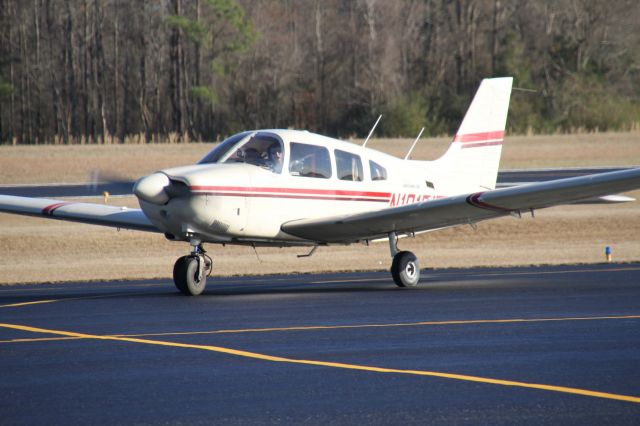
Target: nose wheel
190, 272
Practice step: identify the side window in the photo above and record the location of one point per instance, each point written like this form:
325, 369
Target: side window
377, 171
309, 161
348, 166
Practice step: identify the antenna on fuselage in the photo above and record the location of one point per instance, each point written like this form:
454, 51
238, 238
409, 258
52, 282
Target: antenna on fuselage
372, 129
414, 144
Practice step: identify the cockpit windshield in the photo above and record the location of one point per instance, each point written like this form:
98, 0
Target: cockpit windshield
223, 148
261, 150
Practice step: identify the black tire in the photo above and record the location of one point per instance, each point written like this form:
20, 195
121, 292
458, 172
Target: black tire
405, 269
179, 275
185, 276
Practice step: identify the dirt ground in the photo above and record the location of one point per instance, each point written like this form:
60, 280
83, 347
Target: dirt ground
40, 250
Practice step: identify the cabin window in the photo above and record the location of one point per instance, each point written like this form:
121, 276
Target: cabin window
309, 161
261, 150
377, 171
223, 148
348, 166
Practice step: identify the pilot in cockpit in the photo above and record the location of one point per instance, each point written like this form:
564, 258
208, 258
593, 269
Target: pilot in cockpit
274, 160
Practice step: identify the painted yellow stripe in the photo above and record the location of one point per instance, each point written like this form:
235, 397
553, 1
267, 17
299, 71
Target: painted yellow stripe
65, 299
37, 302
408, 324
20, 289
253, 355
41, 339
338, 327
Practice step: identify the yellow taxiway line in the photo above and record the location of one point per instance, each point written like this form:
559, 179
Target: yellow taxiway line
65, 299
253, 355
338, 327
408, 324
37, 302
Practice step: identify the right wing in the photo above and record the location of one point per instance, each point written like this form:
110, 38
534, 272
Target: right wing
509, 178
461, 209
95, 214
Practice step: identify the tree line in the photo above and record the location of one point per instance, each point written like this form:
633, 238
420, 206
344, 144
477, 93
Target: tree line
109, 71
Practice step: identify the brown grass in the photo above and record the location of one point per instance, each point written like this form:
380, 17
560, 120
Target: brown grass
37, 250
526, 152
75, 163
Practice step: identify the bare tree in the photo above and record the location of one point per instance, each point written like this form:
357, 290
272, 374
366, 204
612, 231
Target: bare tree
106, 70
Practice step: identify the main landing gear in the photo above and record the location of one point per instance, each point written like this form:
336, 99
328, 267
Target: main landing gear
190, 272
405, 268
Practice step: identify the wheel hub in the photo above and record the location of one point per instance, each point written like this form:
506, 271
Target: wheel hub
411, 269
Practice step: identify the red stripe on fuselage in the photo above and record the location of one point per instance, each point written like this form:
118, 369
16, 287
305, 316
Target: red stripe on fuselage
302, 197
305, 191
301, 193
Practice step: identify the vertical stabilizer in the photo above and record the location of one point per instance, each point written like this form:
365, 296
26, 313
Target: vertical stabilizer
471, 162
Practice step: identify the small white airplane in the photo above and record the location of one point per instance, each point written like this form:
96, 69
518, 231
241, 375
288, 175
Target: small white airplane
295, 188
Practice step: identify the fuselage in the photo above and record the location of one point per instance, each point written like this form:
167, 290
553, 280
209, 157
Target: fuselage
238, 194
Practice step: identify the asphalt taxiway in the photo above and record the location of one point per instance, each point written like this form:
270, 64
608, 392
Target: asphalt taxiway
537, 345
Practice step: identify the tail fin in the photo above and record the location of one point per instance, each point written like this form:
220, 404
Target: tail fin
471, 162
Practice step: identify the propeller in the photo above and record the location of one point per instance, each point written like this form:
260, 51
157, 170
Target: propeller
101, 181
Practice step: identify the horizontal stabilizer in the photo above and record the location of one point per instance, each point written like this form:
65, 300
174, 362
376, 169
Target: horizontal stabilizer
607, 199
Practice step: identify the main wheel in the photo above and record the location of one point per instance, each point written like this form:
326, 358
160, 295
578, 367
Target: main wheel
405, 269
185, 275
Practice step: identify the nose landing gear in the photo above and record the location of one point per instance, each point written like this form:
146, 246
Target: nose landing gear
190, 272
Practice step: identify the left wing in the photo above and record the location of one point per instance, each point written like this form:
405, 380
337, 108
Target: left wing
462, 209
95, 214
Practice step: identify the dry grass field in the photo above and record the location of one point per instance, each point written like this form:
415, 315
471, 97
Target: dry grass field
75, 163
40, 250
